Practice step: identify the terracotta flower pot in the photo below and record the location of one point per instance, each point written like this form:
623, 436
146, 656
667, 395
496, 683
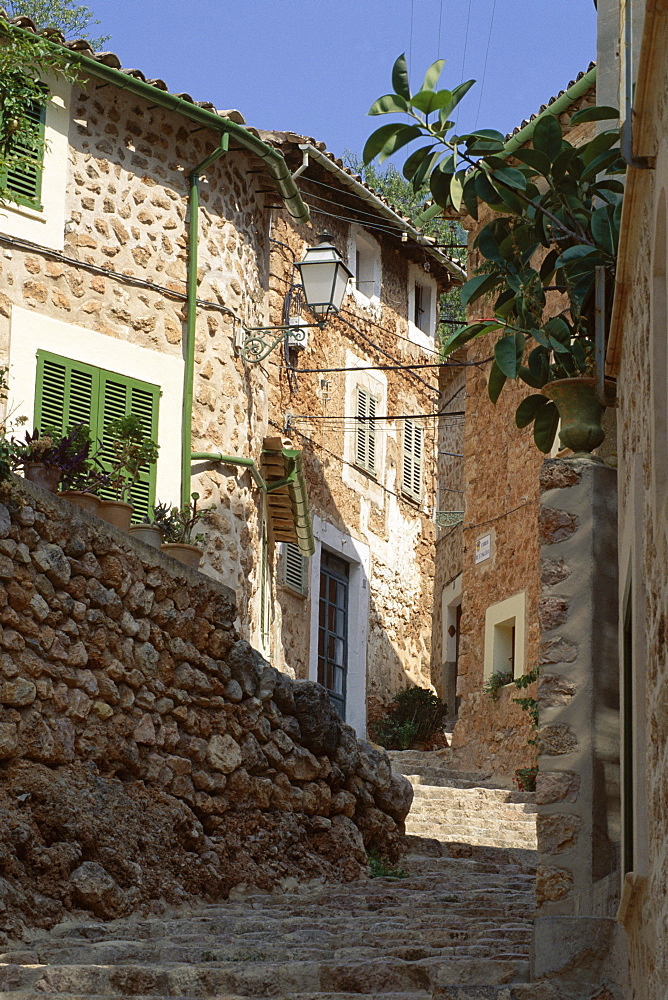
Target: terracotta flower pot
87, 501
46, 476
189, 555
150, 534
116, 512
580, 411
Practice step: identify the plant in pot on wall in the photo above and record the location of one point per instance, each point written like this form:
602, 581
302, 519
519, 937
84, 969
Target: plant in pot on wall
152, 530
44, 455
82, 473
127, 451
555, 234
178, 526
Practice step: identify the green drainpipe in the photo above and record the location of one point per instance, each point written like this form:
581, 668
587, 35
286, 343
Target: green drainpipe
191, 316
273, 160
246, 463
557, 107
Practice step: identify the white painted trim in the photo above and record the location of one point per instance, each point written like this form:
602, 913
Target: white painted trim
47, 228
451, 599
417, 275
512, 611
31, 331
358, 555
358, 235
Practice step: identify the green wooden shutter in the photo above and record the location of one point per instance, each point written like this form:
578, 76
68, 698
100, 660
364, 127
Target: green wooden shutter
23, 180
119, 396
365, 432
69, 392
294, 568
66, 393
411, 483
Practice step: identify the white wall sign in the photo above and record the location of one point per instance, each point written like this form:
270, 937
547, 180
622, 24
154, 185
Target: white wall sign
483, 548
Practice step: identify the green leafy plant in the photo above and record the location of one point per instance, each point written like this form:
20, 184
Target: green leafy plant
71, 18
495, 682
25, 61
558, 217
128, 451
525, 778
415, 714
380, 867
178, 523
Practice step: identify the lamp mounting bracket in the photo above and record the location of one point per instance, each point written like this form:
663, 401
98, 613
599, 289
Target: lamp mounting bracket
259, 341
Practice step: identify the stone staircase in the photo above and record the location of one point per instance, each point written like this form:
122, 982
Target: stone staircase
457, 928
451, 805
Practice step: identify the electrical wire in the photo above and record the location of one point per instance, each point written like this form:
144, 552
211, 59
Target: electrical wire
352, 326
126, 279
484, 72
396, 416
410, 43
440, 21
466, 42
481, 524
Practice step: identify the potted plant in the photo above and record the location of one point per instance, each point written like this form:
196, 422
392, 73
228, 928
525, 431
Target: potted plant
128, 452
525, 778
82, 474
151, 531
178, 527
554, 233
35, 456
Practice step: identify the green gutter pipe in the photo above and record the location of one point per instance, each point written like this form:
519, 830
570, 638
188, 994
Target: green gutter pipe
562, 103
191, 316
273, 160
246, 463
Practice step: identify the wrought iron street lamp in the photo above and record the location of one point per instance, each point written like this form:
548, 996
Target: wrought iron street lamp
324, 279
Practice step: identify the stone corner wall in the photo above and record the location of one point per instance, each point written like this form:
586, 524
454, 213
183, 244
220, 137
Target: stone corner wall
578, 691
148, 754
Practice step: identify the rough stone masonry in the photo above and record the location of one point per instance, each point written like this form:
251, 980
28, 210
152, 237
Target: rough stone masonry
146, 753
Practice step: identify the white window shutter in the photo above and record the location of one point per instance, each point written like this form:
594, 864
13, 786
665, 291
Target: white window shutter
412, 460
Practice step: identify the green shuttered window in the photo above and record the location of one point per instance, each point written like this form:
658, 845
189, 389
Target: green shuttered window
411, 482
70, 393
365, 431
294, 568
23, 180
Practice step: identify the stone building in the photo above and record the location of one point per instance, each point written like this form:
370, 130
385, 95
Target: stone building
154, 235
488, 575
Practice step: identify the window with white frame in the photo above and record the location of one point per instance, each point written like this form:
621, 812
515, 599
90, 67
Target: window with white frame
34, 208
505, 637
294, 568
365, 430
422, 306
367, 266
413, 446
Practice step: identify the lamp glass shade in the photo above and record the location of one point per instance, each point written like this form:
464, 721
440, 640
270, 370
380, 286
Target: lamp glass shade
324, 278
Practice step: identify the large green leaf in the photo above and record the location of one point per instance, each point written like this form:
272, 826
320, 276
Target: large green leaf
545, 427
508, 353
439, 184
558, 329
539, 365
476, 287
400, 77
388, 104
510, 176
574, 253
495, 383
562, 162
432, 74
484, 189
425, 170
457, 189
539, 161
457, 340
415, 159
458, 92
470, 195
379, 138
488, 244
428, 101
547, 136
599, 144
398, 140
597, 114
529, 408
603, 229
601, 163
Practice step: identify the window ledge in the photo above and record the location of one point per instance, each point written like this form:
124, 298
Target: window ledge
28, 213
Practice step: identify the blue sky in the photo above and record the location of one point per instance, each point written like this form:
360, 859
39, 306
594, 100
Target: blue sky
315, 66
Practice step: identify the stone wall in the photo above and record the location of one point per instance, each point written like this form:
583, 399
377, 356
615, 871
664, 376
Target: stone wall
148, 753
578, 785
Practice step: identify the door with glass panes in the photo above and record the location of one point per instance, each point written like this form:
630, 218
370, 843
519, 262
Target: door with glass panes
333, 628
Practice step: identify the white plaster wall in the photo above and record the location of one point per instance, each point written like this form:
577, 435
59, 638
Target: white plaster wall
31, 331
